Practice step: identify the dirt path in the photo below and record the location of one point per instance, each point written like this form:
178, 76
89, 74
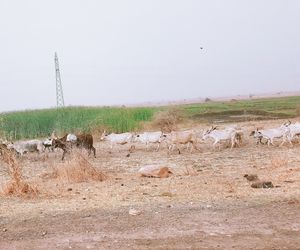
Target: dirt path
196, 226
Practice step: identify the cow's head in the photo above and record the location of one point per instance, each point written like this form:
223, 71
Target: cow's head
252, 133
208, 131
286, 124
256, 133
57, 143
103, 136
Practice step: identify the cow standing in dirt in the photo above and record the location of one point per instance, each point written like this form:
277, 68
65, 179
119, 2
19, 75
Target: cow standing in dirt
81, 141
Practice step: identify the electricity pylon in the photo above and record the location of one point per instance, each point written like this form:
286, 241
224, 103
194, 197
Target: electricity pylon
59, 91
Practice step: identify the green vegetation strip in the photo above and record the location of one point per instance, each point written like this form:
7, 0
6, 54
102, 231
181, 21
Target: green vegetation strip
40, 123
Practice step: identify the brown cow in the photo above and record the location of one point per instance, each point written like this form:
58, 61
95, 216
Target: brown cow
82, 141
86, 141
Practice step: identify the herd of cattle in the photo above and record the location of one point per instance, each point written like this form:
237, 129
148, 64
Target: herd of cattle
286, 132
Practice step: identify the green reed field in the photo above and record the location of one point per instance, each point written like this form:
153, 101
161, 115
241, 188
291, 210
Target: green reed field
40, 123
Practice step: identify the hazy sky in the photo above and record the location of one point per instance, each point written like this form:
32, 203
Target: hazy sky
126, 51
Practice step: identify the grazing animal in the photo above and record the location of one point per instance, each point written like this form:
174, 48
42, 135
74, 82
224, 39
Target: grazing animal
151, 137
48, 144
176, 138
120, 139
22, 147
86, 141
259, 138
294, 130
228, 134
270, 134
82, 141
58, 143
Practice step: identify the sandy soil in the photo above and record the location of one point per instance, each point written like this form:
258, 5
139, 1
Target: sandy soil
205, 204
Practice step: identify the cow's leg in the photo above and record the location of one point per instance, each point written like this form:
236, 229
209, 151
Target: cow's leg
232, 143
192, 147
63, 155
214, 144
283, 141
94, 151
177, 145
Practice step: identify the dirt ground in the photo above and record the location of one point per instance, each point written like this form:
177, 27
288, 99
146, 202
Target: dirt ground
205, 204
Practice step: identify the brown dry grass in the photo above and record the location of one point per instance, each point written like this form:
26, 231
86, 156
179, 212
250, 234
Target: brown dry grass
76, 170
17, 186
278, 161
190, 171
168, 120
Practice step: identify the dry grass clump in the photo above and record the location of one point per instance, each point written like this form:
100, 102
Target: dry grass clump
78, 169
17, 186
190, 171
168, 120
279, 161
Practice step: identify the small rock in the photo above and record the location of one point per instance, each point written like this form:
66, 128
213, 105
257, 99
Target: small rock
133, 211
69, 189
4, 230
167, 194
251, 177
44, 233
84, 198
262, 184
157, 171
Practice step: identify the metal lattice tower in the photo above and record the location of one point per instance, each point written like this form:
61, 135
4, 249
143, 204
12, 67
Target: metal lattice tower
59, 91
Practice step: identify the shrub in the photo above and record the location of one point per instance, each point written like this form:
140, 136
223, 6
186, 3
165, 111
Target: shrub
17, 186
78, 169
168, 120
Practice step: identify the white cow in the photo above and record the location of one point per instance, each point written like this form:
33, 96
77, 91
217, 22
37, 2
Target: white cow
48, 144
151, 137
228, 134
22, 147
294, 130
176, 138
71, 138
121, 139
270, 134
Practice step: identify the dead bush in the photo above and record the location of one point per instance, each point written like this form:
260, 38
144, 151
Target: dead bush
17, 186
168, 120
76, 170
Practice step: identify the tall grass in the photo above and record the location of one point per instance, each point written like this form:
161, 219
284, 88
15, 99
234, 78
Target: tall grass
40, 123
